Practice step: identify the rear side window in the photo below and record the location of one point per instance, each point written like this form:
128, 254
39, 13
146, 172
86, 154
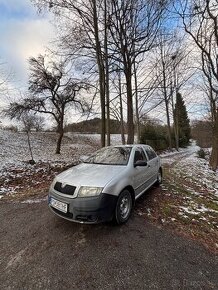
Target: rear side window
151, 153
139, 155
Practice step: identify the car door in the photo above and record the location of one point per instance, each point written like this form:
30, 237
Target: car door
153, 164
141, 174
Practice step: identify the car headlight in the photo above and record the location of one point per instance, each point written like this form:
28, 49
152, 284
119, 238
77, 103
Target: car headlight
86, 191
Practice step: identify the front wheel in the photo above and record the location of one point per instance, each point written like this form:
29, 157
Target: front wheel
159, 177
123, 207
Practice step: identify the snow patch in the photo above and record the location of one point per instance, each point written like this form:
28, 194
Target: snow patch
36, 200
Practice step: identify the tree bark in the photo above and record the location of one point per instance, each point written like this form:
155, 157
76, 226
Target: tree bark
107, 92
136, 105
168, 124
166, 100
121, 113
61, 133
29, 144
60, 137
130, 123
101, 71
214, 153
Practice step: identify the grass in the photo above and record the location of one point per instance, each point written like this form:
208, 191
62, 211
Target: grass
179, 191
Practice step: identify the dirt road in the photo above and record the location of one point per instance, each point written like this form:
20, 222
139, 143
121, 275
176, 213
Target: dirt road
41, 251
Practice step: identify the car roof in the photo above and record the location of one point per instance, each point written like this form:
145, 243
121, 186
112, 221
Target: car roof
131, 145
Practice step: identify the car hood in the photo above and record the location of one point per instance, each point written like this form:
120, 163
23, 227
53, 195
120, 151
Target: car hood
86, 174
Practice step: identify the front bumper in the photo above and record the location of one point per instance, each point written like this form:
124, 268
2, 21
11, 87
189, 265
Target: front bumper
88, 210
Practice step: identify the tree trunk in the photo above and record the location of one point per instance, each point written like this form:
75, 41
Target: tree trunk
29, 145
60, 137
121, 113
175, 116
214, 153
130, 124
166, 100
101, 72
136, 106
176, 128
61, 134
168, 125
107, 92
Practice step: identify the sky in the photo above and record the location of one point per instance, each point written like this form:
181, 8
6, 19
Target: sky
23, 33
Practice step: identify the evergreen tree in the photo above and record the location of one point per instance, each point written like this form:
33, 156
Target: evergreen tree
181, 122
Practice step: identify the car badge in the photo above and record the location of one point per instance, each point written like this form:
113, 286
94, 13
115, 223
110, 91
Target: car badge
63, 185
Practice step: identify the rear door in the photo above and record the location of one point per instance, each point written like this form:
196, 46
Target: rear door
153, 163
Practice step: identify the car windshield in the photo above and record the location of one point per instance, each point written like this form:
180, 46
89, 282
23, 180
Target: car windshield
110, 156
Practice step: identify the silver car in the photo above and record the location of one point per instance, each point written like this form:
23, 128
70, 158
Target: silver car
106, 185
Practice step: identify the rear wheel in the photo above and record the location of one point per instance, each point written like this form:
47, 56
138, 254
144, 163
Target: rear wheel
123, 207
159, 176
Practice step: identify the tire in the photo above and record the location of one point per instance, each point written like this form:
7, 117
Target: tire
159, 177
123, 207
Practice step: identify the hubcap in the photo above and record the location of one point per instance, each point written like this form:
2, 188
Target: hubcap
124, 207
159, 176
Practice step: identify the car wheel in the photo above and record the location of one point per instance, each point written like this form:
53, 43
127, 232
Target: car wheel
159, 176
123, 207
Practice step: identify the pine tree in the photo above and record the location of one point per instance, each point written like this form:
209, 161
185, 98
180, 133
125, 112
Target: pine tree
181, 122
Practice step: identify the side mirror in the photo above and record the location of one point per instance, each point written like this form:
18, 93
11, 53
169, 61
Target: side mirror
140, 163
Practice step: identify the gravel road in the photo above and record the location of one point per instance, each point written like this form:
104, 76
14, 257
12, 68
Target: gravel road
41, 251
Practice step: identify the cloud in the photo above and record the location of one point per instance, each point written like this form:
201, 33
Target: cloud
23, 33
22, 40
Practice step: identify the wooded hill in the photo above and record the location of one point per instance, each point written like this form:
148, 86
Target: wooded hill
92, 126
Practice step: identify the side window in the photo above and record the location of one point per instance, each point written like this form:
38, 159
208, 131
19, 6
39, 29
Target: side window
139, 155
150, 152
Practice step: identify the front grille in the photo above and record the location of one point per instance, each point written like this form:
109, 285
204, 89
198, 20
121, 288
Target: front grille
67, 189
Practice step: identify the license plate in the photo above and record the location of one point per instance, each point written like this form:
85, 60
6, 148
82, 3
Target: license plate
58, 205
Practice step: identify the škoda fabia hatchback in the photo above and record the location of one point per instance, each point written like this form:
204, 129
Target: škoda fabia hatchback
106, 185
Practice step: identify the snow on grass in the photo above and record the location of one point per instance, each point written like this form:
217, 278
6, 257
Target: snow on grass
196, 171
196, 210
36, 200
14, 148
193, 187
192, 169
14, 157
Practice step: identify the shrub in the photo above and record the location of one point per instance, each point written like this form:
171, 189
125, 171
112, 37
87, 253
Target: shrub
155, 136
201, 153
11, 128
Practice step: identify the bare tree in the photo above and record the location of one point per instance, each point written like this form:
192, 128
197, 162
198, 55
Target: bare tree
134, 25
200, 21
86, 36
145, 87
172, 71
52, 90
